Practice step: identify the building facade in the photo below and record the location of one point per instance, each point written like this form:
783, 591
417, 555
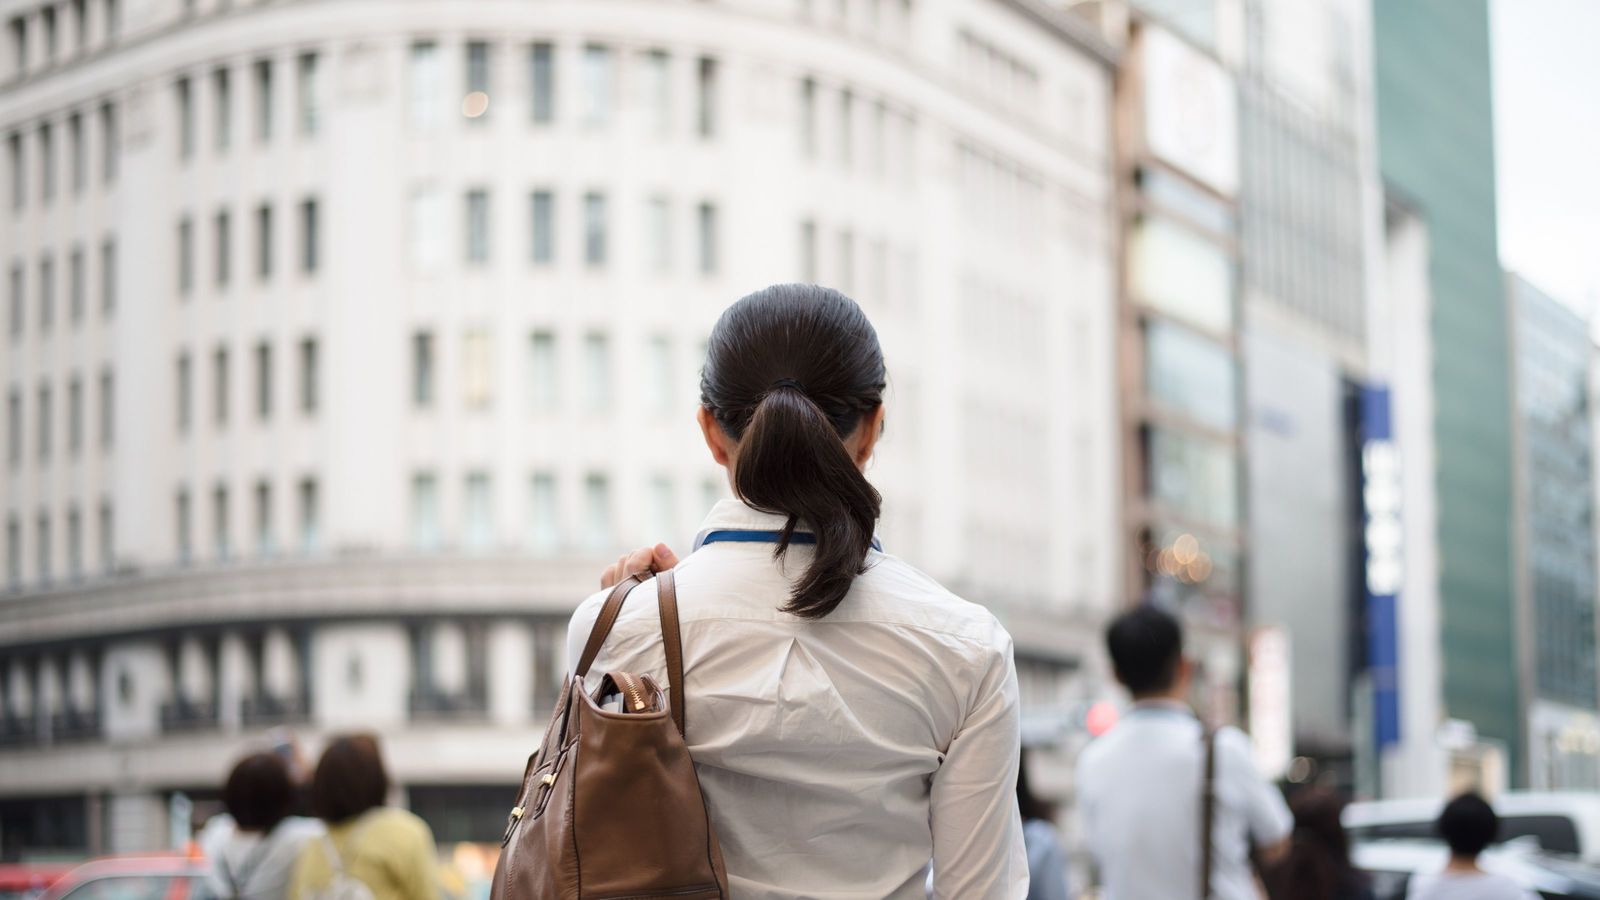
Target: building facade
346, 343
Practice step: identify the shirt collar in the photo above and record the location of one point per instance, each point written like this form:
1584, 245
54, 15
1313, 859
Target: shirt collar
1162, 707
736, 515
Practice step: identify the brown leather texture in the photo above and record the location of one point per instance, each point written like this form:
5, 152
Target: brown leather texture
610, 807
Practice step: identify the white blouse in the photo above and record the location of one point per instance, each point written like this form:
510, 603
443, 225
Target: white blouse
840, 757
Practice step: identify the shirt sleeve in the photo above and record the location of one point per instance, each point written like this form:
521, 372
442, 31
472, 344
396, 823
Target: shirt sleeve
416, 859
978, 850
1266, 812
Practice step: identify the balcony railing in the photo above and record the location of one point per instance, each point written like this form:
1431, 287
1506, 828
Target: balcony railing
19, 732
431, 704
188, 715
74, 725
266, 710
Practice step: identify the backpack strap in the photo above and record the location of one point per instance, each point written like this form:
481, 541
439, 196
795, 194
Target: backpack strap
672, 642
1208, 810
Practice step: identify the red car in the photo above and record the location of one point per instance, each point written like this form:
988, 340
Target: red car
154, 877
25, 881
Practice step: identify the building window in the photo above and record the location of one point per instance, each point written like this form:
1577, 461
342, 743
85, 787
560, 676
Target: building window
19, 177
597, 372
113, 19
42, 546
428, 228
658, 91
14, 428
47, 162
19, 300
310, 516
310, 236
422, 370
543, 227
44, 422
76, 276
47, 19
425, 534
808, 251
219, 521
598, 86
183, 392
181, 510
846, 275
477, 369
222, 97
75, 416
544, 516
427, 86
108, 276
185, 256
707, 222
19, 44
47, 293
263, 110
475, 106
265, 543
663, 509
597, 513
543, 381
309, 97
478, 535
477, 213
594, 229
310, 369
185, 99
79, 152
13, 553
222, 241
108, 408
658, 232
219, 386
808, 119
706, 97
263, 381
659, 372
264, 241
846, 131
107, 538
542, 82
108, 143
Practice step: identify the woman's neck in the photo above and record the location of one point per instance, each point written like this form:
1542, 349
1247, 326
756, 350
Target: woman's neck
1463, 865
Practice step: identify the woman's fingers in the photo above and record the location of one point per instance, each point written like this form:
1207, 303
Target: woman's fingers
643, 562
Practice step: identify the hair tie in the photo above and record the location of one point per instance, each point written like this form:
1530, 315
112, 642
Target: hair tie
786, 383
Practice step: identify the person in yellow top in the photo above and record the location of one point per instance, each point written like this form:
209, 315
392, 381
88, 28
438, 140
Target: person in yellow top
372, 851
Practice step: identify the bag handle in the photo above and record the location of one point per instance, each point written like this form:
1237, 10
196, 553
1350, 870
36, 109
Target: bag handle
671, 635
1208, 809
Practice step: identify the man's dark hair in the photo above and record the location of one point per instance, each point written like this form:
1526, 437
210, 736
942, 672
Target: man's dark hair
259, 793
350, 779
1146, 646
1468, 824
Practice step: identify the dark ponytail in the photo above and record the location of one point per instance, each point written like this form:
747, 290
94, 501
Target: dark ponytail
791, 371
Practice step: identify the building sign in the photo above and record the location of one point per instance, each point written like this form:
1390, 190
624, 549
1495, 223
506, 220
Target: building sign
1380, 501
1191, 111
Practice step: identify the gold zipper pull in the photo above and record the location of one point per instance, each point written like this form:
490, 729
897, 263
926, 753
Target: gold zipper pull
516, 812
549, 779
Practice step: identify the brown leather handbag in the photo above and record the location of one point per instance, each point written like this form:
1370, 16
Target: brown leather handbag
610, 807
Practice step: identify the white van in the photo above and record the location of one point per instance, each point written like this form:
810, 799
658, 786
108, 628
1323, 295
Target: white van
1567, 823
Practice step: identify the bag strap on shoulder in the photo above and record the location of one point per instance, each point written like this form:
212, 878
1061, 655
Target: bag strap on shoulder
1208, 810
671, 635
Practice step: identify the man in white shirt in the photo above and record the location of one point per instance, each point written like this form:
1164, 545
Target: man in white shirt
1140, 785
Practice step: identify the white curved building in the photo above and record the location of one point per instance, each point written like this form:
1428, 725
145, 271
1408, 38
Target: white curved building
347, 339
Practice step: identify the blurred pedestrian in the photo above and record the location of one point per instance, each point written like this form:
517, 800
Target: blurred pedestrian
1143, 786
1047, 862
1469, 825
253, 846
371, 851
1317, 864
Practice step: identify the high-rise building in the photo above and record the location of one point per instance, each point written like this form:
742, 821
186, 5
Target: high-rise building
1436, 151
347, 341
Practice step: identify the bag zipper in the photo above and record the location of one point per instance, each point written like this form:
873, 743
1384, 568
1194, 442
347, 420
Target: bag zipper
633, 690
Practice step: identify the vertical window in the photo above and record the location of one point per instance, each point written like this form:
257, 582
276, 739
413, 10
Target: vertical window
544, 515
47, 292
310, 236
264, 241
663, 509
74, 544
542, 82
477, 213
477, 369
19, 300
185, 256
543, 228
78, 151
47, 18
422, 369
107, 538
594, 229
185, 99
309, 94
658, 91
219, 386
543, 381
476, 104
77, 275
426, 86
706, 97
878, 150
478, 535
42, 545
19, 44
597, 372
309, 375
222, 245
808, 251
310, 516
13, 553
597, 86
597, 513
109, 137
19, 177
263, 109
428, 246
108, 407
658, 370
222, 112
425, 511
108, 276
219, 521
846, 131
707, 222
44, 422
265, 543
181, 511
113, 19
47, 162
846, 276
80, 22
808, 119
658, 231
75, 416
184, 396
263, 381
14, 427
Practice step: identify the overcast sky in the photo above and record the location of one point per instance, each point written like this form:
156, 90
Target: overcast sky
1547, 143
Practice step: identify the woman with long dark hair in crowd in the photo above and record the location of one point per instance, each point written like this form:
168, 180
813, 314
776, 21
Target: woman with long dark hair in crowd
1317, 866
850, 719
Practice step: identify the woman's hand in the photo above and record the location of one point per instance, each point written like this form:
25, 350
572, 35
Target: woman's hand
643, 562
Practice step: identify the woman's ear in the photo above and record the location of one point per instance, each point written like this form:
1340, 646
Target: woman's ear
717, 440
865, 439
